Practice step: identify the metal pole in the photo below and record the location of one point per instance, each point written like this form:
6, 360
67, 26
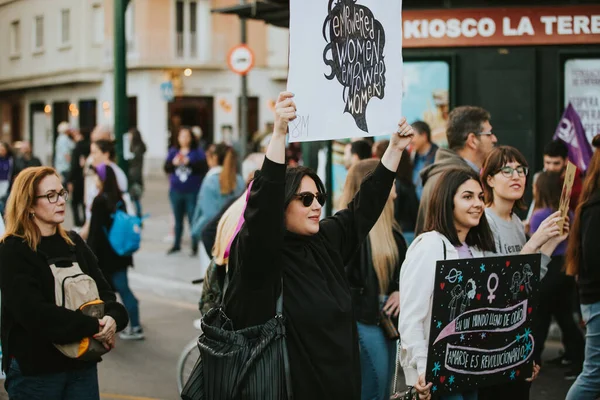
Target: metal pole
120, 80
244, 97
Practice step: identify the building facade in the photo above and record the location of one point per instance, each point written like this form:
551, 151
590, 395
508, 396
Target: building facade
56, 65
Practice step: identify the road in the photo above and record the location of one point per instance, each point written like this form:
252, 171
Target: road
145, 370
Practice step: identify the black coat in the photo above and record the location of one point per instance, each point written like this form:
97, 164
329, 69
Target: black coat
31, 320
589, 268
322, 336
364, 284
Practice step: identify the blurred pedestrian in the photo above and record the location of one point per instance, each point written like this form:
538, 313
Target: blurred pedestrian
583, 261
556, 289
186, 166
556, 158
283, 239
470, 139
31, 319
76, 177
7, 170
136, 169
221, 184
379, 147
456, 228
356, 151
113, 265
373, 276
62, 150
406, 205
25, 159
423, 153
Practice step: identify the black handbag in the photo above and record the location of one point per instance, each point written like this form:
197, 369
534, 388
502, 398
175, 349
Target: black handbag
249, 364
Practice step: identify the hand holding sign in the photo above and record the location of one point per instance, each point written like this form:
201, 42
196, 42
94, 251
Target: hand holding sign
565, 196
403, 136
285, 111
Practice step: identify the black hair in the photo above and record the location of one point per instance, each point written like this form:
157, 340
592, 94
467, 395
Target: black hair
193, 140
107, 146
362, 149
136, 140
440, 215
461, 122
110, 189
422, 128
293, 179
556, 148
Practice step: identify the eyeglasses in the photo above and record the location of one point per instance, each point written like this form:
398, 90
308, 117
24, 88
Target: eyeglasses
53, 196
507, 171
488, 133
307, 198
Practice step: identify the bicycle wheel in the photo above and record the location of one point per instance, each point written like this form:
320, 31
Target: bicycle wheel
186, 363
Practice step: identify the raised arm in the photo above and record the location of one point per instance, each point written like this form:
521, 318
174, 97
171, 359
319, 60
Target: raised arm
258, 245
347, 229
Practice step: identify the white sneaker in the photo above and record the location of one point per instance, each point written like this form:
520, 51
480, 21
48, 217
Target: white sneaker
132, 333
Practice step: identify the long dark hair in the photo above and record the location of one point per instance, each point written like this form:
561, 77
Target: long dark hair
110, 187
193, 138
591, 186
107, 146
136, 140
548, 188
440, 215
293, 179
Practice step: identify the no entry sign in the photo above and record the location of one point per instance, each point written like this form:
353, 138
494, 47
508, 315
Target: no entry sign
240, 59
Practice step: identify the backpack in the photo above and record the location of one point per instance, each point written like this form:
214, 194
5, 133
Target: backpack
212, 289
75, 290
125, 234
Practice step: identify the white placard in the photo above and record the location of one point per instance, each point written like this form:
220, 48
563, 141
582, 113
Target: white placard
582, 89
345, 68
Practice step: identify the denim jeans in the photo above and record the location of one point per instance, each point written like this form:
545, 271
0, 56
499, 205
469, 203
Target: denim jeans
182, 204
377, 362
71, 385
472, 395
121, 285
587, 385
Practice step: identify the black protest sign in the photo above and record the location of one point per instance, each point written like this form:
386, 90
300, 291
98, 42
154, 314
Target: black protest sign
354, 52
481, 325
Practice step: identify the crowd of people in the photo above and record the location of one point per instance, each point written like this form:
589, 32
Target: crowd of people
357, 286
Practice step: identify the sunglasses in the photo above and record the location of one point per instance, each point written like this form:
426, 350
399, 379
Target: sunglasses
307, 198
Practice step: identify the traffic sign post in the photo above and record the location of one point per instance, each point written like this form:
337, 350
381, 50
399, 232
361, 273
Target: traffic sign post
240, 59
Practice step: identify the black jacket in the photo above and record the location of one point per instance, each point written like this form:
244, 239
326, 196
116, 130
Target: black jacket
31, 320
100, 223
364, 285
589, 267
322, 336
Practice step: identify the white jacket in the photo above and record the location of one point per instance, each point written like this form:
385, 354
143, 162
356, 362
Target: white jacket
417, 278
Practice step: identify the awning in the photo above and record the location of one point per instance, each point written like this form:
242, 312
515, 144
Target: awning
274, 12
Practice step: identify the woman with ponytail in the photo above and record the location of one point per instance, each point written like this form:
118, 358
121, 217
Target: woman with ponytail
583, 262
221, 184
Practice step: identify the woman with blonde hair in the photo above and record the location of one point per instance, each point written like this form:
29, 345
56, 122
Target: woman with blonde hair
373, 277
221, 184
214, 279
32, 322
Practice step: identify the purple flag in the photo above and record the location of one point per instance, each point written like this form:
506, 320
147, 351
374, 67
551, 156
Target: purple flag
570, 130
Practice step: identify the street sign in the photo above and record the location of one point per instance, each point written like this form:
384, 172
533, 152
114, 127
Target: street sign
166, 89
240, 59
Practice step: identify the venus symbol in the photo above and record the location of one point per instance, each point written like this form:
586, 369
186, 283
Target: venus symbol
491, 289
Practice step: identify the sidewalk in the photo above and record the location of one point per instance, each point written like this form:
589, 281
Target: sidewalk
154, 271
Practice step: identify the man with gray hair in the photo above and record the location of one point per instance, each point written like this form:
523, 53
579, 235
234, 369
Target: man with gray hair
470, 140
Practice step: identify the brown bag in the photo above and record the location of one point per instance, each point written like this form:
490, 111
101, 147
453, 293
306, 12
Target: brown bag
389, 328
